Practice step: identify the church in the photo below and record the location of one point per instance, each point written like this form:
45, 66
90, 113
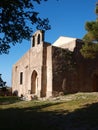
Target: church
47, 69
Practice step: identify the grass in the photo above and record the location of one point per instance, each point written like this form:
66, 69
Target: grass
8, 100
69, 112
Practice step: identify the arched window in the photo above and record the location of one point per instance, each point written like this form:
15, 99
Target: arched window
38, 40
21, 77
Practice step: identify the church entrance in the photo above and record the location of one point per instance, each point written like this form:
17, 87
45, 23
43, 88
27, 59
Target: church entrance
95, 82
34, 82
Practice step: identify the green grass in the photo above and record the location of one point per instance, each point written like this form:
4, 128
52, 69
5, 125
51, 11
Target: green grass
8, 99
70, 112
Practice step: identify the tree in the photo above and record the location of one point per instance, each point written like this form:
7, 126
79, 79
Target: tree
17, 19
2, 83
92, 31
89, 50
90, 47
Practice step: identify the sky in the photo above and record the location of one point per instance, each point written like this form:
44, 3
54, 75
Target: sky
67, 18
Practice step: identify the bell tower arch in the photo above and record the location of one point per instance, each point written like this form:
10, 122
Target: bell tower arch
37, 38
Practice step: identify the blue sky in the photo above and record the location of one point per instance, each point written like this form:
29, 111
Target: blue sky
67, 18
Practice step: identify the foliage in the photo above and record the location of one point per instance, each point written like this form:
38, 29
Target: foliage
92, 31
2, 83
90, 47
17, 21
96, 10
89, 50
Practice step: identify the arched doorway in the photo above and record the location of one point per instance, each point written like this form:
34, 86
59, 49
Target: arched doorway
34, 82
95, 82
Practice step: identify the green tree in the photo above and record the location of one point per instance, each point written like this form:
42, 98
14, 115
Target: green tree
92, 31
17, 21
2, 83
90, 47
89, 50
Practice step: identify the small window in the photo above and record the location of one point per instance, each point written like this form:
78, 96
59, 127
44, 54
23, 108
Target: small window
33, 41
21, 77
38, 39
16, 68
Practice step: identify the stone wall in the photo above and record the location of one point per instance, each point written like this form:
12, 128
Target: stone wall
79, 75
58, 68
38, 60
31, 61
49, 72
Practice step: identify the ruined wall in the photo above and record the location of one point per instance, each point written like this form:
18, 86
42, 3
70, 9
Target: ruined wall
85, 71
58, 69
79, 75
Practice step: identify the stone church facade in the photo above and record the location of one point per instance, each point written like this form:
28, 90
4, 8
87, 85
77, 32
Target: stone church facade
45, 69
